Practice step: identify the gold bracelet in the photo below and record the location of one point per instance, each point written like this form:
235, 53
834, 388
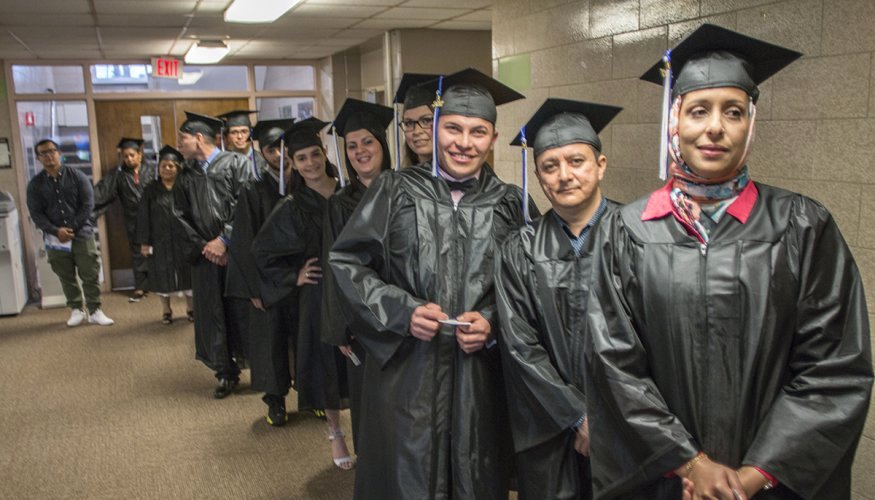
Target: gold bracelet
693, 461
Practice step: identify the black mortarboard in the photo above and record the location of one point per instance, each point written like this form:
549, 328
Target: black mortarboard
559, 122
471, 93
412, 93
303, 134
130, 143
237, 118
200, 124
357, 115
170, 153
266, 132
712, 57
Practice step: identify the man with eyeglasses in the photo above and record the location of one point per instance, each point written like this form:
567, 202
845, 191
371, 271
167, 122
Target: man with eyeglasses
60, 200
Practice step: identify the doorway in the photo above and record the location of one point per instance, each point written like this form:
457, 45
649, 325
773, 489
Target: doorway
144, 118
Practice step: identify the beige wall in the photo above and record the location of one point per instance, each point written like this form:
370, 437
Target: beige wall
443, 51
816, 119
8, 181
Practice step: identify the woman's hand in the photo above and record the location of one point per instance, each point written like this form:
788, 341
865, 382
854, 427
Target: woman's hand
310, 273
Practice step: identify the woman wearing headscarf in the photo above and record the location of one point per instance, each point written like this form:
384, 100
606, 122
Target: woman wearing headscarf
164, 254
287, 251
728, 339
363, 127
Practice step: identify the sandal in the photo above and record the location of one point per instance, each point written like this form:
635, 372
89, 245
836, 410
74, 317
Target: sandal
345, 462
167, 318
190, 315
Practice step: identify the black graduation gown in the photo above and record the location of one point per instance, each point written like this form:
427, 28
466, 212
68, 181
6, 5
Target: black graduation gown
542, 287
119, 184
290, 236
434, 418
335, 327
754, 349
206, 203
269, 363
167, 267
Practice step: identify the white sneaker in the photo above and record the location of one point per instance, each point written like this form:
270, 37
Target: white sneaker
77, 316
99, 318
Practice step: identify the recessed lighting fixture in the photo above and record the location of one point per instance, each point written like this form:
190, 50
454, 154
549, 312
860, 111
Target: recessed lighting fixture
206, 52
257, 11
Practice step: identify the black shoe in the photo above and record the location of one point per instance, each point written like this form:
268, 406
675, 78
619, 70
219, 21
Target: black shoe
226, 387
276, 410
190, 316
167, 318
319, 413
137, 296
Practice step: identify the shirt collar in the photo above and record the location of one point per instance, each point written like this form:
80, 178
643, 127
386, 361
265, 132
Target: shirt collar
596, 216
213, 156
659, 203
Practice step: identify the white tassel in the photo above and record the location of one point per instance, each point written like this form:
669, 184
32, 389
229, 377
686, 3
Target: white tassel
666, 109
338, 158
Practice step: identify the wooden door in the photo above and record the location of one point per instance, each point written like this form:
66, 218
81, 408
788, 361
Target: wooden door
117, 119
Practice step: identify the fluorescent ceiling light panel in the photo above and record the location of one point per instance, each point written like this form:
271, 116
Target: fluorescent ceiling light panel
190, 78
206, 52
257, 11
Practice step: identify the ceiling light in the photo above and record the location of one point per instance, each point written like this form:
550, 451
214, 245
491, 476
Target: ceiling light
190, 77
257, 11
206, 52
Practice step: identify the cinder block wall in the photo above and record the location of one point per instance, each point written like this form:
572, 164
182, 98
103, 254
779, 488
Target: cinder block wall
815, 120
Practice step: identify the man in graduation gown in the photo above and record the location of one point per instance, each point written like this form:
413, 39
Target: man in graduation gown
205, 195
126, 184
727, 338
542, 282
266, 326
238, 134
418, 250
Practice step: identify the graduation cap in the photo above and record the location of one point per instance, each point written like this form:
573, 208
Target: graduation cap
130, 143
267, 132
712, 57
237, 118
559, 122
357, 115
200, 124
170, 153
412, 93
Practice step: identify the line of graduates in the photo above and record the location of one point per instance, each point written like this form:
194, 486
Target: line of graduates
710, 340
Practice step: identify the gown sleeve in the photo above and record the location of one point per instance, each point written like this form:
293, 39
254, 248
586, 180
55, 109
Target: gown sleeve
245, 225
240, 174
634, 438
814, 424
333, 319
106, 192
545, 405
279, 249
360, 262
144, 216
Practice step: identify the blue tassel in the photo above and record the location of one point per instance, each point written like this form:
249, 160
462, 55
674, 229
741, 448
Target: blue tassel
525, 181
438, 104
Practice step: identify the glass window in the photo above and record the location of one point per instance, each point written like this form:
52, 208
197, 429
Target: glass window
274, 108
285, 78
138, 78
65, 122
48, 79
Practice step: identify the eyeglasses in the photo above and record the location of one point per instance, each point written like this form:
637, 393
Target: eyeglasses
47, 152
424, 123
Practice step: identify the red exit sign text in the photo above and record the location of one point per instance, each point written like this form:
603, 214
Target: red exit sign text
165, 67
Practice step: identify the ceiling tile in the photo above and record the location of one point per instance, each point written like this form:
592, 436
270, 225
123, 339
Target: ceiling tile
477, 15
383, 3
336, 10
358, 32
340, 42
463, 25
153, 7
390, 24
461, 4
53, 6
25, 19
292, 21
417, 13
117, 20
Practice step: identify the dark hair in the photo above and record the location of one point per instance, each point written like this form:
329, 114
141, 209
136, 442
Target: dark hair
45, 141
384, 144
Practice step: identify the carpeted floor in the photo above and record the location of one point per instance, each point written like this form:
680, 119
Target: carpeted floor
127, 412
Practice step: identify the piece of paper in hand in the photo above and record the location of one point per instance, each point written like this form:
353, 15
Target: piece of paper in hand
454, 322
53, 243
355, 359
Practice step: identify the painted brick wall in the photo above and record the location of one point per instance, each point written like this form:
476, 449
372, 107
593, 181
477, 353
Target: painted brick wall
816, 119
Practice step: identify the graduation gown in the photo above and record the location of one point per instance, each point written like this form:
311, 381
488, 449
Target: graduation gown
206, 203
434, 418
167, 267
335, 327
754, 349
120, 184
291, 235
268, 331
542, 288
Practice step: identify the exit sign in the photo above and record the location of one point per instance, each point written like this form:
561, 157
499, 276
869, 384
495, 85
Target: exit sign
166, 67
